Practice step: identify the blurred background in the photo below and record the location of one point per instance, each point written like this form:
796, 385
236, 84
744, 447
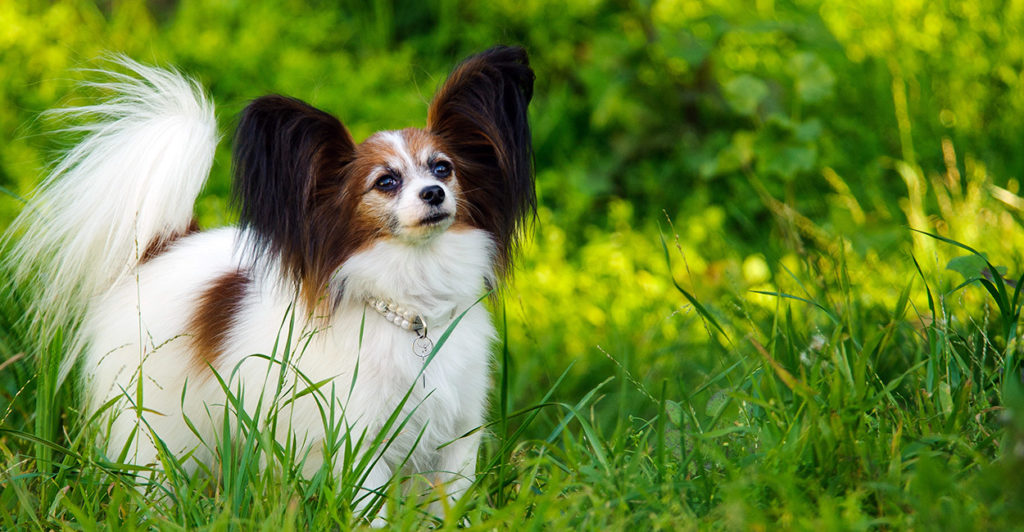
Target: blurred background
772, 145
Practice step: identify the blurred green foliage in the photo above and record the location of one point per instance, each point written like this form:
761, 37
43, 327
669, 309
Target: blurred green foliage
666, 104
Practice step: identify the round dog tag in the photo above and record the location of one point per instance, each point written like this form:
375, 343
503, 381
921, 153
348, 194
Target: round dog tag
422, 347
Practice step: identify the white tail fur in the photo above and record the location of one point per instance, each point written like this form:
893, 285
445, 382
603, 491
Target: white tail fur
132, 180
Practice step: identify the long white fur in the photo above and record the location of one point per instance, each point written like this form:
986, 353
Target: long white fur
135, 176
439, 281
134, 179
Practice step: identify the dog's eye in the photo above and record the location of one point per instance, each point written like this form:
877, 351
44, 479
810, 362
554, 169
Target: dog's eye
387, 182
441, 169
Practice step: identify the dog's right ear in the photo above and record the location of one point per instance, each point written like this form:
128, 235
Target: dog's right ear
480, 113
286, 151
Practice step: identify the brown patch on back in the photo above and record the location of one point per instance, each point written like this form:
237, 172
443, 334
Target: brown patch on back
214, 314
159, 246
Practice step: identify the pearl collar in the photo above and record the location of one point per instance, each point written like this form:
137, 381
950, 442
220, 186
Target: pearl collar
422, 345
398, 315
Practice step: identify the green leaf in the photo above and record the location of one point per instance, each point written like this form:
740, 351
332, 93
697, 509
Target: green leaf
745, 93
674, 411
716, 403
738, 154
813, 79
786, 162
973, 267
970, 266
808, 131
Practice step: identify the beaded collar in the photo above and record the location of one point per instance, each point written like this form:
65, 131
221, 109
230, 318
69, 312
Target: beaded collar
422, 346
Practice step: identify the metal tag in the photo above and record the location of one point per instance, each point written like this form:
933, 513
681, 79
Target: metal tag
422, 347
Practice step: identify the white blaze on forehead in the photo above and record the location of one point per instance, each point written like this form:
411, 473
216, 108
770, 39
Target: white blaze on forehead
409, 147
408, 153
400, 156
428, 151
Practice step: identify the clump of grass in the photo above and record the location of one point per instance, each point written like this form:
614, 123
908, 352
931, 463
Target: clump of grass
817, 407
832, 413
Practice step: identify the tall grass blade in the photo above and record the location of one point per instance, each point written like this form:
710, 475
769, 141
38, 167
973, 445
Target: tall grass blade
705, 314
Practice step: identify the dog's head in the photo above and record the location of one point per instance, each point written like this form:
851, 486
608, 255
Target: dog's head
310, 196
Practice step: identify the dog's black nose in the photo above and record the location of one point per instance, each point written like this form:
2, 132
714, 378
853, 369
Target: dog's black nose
433, 195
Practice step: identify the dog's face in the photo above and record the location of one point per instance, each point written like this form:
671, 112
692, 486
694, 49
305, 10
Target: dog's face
405, 185
311, 197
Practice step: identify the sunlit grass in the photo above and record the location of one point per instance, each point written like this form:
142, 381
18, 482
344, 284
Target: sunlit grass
848, 393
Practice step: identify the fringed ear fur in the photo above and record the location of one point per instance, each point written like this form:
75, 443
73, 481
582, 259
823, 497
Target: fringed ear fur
480, 114
286, 154
291, 161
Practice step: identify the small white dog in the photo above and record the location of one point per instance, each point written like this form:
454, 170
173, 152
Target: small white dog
349, 263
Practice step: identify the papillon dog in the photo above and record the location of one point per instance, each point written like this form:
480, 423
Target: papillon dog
353, 280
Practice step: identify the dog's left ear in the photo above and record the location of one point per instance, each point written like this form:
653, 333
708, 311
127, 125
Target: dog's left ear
480, 116
289, 166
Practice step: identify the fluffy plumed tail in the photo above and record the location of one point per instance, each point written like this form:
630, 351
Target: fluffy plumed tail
131, 182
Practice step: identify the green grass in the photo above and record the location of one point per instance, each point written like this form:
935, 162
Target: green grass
813, 409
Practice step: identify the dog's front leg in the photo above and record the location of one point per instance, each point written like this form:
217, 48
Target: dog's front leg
456, 470
374, 487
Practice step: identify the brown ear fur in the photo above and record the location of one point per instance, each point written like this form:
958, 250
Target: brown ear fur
290, 161
480, 115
